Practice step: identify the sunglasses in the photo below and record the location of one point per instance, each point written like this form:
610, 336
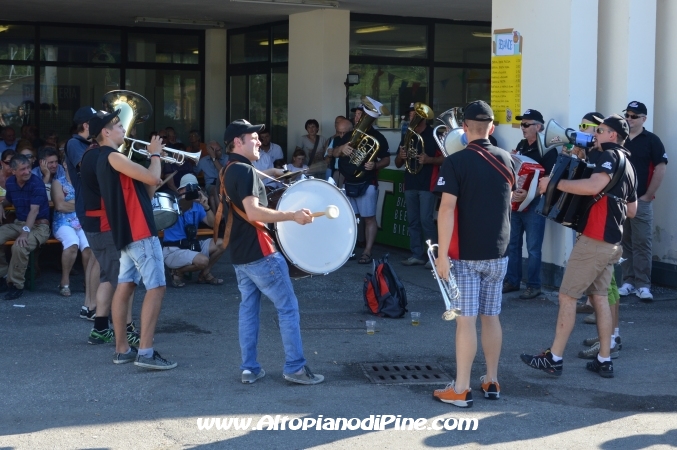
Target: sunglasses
632, 116
526, 125
585, 126
602, 130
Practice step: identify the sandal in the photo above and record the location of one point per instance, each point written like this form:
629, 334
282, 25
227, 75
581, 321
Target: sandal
365, 258
209, 279
64, 291
177, 279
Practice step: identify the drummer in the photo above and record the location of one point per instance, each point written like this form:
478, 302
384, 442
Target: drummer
181, 249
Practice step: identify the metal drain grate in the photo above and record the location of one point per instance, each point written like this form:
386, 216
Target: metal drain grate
405, 373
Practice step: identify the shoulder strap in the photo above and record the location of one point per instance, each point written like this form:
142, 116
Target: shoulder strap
314, 150
495, 163
620, 171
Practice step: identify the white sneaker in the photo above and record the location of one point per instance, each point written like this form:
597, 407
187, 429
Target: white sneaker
627, 289
644, 294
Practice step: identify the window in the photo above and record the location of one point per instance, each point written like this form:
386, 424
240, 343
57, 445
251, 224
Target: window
250, 47
17, 42
463, 43
458, 87
175, 48
17, 102
80, 45
392, 40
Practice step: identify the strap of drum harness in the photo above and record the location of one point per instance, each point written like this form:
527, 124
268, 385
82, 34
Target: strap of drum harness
223, 195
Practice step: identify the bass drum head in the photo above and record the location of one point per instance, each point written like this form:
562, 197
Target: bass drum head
326, 244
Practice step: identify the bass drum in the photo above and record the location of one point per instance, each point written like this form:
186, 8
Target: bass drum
325, 245
165, 210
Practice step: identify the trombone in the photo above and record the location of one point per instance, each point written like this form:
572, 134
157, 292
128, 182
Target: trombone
178, 158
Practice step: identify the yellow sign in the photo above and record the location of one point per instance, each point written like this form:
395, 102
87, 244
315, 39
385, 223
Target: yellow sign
506, 76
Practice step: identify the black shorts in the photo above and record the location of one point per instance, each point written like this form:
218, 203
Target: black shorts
106, 254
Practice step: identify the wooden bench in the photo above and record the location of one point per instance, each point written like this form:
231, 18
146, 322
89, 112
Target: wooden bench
32, 268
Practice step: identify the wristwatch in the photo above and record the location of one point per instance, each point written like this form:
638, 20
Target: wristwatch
26, 229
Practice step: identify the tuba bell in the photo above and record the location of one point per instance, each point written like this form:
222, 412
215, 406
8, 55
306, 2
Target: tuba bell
454, 138
413, 141
134, 109
365, 146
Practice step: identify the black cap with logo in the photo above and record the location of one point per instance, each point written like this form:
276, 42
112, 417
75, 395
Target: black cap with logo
100, 120
618, 124
636, 107
240, 127
531, 114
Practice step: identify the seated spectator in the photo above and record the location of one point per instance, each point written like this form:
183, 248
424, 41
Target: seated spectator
195, 144
313, 146
209, 166
51, 139
172, 140
49, 169
297, 161
6, 171
26, 192
30, 154
67, 229
181, 249
8, 141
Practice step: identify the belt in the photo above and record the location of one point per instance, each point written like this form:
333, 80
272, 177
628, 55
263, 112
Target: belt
171, 244
37, 222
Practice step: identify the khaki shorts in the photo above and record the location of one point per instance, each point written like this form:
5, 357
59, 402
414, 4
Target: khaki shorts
590, 267
175, 257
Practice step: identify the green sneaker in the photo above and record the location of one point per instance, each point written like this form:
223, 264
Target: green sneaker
101, 337
133, 338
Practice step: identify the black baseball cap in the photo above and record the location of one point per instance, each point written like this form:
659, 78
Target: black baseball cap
636, 107
478, 110
531, 114
594, 117
83, 115
618, 124
100, 120
411, 107
360, 107
238, 128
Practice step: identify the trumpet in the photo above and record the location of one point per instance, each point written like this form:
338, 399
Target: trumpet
178, 158
449, 288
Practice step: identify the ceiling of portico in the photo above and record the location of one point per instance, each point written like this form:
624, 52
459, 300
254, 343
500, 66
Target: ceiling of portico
123, 12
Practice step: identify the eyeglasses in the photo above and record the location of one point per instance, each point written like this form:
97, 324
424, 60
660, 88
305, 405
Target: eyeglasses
632, 116
527, 125
602, 130
585, 126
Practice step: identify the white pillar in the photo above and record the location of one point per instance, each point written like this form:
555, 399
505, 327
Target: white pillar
558, 79
627, 55
665, 215
216, 47
319, 43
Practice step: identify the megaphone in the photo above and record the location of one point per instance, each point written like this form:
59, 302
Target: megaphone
556, 135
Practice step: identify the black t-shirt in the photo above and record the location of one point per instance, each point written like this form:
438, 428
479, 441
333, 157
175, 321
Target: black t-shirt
424, 180
128, 206
75, 149
646, 152
347, 169
247, 243
531, 151
482, 222
94, 219
604, 220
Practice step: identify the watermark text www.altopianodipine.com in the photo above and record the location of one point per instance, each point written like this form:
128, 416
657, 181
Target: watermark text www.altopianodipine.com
371, 423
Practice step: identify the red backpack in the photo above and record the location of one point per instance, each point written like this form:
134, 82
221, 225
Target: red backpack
384, 293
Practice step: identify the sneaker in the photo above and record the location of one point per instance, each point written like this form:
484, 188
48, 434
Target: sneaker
619, 346
87, 314
248, 376
491, 389
605, 369
626, 289
449, 395
530, 293
13, 293
584, 308
543, 362
124, 358
644, 294
428, 265
101, 337
156, 362
592, 352
507, 287
592, 341
591, 319
131, 328
411, 261
307, 377
133, 338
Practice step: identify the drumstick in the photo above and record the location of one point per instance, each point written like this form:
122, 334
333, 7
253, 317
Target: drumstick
332, 212
167, 179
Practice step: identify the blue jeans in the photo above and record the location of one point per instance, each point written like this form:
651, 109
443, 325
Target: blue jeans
270, 276
534, 225
420, 209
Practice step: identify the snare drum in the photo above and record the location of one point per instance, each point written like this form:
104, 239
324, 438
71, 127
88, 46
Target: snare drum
325, 245
165, 210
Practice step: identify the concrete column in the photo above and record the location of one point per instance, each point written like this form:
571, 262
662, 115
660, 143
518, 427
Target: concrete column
319, 43
216, 47
626, 62
665, 215
559, 66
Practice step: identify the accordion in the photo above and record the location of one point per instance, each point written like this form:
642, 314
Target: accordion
528, 174
562, 207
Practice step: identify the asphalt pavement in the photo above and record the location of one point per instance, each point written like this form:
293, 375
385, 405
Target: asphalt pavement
59, 392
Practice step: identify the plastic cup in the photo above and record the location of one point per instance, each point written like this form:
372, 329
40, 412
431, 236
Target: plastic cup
371, 326
415, 318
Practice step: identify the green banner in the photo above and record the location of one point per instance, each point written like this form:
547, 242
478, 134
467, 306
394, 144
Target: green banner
391, 211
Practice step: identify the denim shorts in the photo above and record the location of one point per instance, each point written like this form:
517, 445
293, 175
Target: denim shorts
365, 205
142, 260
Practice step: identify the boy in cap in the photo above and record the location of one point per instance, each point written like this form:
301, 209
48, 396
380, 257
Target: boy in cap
474, 229
259, 267
596, 250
